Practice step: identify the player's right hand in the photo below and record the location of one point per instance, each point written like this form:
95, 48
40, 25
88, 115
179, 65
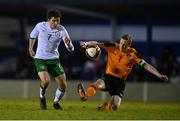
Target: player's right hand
164, 78
31, 53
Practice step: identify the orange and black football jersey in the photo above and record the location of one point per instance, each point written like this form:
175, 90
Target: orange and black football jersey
119, 63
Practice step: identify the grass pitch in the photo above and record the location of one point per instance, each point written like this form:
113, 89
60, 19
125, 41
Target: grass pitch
22, 109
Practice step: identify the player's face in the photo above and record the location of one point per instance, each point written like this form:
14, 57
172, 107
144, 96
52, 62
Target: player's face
123, 45
54, 21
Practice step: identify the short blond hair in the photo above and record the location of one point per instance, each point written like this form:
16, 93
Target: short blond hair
128, 38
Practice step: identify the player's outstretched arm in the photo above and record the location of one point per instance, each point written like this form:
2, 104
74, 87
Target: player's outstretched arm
31, 45
89, 43
95, 43
154, 71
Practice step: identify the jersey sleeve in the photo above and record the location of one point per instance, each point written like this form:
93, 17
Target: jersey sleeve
109, 49
138, 58
108, 46
65, 34
35, 32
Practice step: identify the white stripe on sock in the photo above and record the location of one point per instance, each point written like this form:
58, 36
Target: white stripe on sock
41, 95
58, 95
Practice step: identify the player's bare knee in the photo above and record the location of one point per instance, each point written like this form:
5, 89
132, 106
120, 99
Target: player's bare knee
100, 84
44, 83
46, 79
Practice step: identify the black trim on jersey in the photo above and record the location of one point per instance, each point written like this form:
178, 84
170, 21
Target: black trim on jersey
32, 38
138, 55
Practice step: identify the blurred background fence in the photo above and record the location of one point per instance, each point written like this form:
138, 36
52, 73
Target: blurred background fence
139, 92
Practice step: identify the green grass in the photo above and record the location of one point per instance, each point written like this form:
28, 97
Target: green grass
74, 109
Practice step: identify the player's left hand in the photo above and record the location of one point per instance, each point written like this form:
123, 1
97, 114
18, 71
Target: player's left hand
164, 78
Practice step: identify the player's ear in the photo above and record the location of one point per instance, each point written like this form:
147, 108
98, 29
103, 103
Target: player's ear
124, 45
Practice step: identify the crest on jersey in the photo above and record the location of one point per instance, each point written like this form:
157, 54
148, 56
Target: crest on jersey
57, 34
128, 55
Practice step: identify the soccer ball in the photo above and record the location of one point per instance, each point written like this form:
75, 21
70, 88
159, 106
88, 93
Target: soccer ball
93, 52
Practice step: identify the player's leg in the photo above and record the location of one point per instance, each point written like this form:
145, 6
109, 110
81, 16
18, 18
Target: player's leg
116, 91
97, 85
116, 96
116, 88
91, 90
61, 82
114, 105
57, 71
44, 80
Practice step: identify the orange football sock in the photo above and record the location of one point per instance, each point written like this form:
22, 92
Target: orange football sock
91, 90
107, 107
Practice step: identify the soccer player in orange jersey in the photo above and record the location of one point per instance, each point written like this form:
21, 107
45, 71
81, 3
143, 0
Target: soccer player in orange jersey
121, 58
